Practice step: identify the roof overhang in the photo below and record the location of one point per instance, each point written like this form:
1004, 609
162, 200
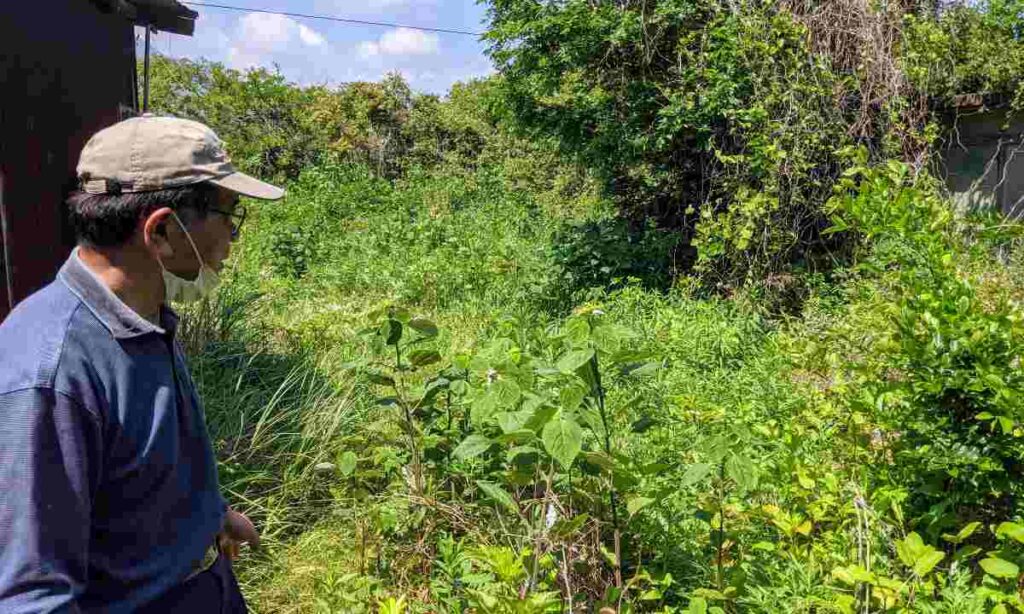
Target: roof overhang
979, 102
163, 15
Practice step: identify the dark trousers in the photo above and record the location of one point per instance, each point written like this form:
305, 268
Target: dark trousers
214, 591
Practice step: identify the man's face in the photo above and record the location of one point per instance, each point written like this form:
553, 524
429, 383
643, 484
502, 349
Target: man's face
212, 235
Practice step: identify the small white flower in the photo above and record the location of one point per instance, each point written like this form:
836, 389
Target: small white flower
551, 517
491, 376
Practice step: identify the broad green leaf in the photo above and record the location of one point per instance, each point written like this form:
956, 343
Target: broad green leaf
347, 462
644, 369
498, 495
433, 387
804, 481
601, 459
609, 556
391, 331
576, 331
570, 397
695, 473
910, 549
592, 418
518, 451
654, 468
400, 313
643, 424
483, 408
965, 552
564, 527
424, 327
741, 470
511, 421
472, 446
1012, 530
380, 379
610, 337
520, 436
698, 605
531, 401
572, 360
635, 504
563, 439
999, 568
422, 358
963, 534
541, 417
506, 393
927, 562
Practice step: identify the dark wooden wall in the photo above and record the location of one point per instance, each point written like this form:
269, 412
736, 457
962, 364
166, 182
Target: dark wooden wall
66, 71
984, 161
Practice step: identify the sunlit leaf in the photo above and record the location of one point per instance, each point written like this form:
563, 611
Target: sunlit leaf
927, 562
574, 359
347, 462
472, 446
963, 534
380, 379
422, 358
741, 470
695, 473
424, 327
635, 504
999, 568
563, 439
1012, 530
601, 459
498, 495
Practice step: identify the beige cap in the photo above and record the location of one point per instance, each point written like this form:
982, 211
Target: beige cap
148, 153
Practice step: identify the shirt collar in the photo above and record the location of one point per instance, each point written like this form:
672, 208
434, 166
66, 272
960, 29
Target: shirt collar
120, 319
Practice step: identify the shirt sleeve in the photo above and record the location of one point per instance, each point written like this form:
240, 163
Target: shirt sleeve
50, 454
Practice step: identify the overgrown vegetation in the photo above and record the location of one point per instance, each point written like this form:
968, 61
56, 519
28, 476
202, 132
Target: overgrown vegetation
671, 315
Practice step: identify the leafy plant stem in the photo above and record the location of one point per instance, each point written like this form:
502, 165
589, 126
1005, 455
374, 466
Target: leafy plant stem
410, 426
721, 524
599, 394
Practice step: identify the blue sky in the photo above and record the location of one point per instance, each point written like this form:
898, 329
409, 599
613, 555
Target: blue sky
315, 51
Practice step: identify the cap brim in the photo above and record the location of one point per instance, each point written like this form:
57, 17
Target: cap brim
249, 186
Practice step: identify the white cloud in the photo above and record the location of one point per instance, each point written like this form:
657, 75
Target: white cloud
311, 37
401, 42
261, 38
263, 30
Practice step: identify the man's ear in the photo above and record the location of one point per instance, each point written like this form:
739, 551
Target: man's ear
155, 230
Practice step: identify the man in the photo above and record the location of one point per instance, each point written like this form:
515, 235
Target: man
109, 500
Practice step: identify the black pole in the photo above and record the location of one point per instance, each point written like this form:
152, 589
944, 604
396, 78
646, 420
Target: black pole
145, 92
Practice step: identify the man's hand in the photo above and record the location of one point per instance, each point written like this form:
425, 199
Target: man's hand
237, 530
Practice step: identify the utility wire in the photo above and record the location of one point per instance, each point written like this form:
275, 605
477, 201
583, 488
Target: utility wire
332, 18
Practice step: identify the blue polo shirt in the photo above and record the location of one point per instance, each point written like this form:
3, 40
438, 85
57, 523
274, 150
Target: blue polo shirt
108, 482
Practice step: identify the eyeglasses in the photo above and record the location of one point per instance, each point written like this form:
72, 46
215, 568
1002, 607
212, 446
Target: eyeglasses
237, 214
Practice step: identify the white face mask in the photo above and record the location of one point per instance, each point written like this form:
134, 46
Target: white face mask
179, 289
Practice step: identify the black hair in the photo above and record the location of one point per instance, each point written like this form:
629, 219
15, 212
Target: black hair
108, 220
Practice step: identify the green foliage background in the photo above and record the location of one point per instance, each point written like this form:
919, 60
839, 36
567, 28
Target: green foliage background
672, 314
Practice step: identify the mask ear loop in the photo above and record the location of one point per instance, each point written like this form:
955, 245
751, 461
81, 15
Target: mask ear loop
202, 265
